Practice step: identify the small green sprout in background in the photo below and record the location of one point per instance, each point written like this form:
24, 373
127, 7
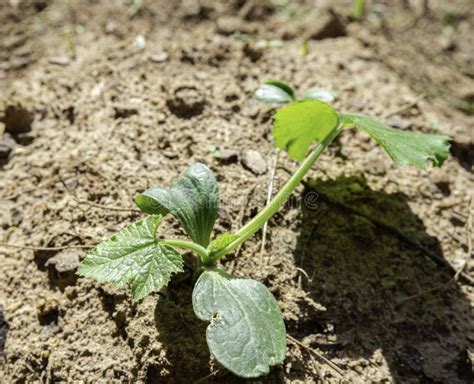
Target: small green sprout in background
358, 9
277, 92
246, 332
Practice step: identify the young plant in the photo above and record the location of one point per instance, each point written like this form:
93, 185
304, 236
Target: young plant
246, 333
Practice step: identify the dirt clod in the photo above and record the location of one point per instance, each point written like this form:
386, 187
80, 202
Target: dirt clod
329, 25
17, 119
227, 156
123, 112
228, 25
186, 101
62, 267
47, 311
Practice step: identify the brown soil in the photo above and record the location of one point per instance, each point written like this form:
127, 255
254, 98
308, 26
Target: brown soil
102, 99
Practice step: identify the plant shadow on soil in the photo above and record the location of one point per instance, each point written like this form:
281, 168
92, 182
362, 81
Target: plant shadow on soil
3, 331
182, 334
366, 276
361, 274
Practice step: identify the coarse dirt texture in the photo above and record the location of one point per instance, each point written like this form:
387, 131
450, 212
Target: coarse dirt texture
100, 100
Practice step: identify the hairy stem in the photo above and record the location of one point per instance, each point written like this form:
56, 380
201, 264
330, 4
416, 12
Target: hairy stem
280, 198
198, 249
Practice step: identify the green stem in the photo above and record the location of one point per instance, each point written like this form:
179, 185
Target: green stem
281, 197
198, 249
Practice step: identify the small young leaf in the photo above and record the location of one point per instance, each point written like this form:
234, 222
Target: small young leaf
275, 92
246, 333
299, 124
133, 256
221, 241
193, 199
404, 147
322, 94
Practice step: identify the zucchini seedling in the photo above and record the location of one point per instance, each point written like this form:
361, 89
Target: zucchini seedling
246, 333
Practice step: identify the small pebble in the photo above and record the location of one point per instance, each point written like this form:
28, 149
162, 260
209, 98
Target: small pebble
60, 60
254, 162
159, 57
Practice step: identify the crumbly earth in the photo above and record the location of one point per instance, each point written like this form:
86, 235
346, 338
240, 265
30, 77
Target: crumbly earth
100, 100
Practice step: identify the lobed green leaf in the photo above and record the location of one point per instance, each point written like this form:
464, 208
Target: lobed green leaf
300, 123
193, 199
134, 256
404, 147
246, 333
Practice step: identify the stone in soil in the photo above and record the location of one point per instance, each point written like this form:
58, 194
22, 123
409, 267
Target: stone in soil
159, 56
254, 162
60, 60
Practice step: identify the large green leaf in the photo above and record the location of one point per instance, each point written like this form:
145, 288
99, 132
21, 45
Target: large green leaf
275, 92
299, 124
404, 147
246, 333
133, 256
193, 199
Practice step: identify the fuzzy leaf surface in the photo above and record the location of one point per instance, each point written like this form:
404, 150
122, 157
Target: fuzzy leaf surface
246, 333
193, 200
299, 124
275, 92
133, 256
404, 147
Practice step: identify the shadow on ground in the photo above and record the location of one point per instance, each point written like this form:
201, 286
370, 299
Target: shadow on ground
3, 331
370, 280
183, 335
367, 277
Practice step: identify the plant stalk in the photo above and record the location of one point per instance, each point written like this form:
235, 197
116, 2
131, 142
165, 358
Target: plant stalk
280, 198
198, 249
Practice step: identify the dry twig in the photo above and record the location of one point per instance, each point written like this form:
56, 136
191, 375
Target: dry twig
317, 354
35, 248
405, 107
438, 287
269, 197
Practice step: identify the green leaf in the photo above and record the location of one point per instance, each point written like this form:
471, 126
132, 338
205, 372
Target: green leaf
246, 333
193, 199
134, 256
404, 147
322, 94
275, 92
221, 241
299, 124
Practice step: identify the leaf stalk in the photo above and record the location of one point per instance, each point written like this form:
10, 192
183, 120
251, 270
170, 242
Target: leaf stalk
198, 249
280, 198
